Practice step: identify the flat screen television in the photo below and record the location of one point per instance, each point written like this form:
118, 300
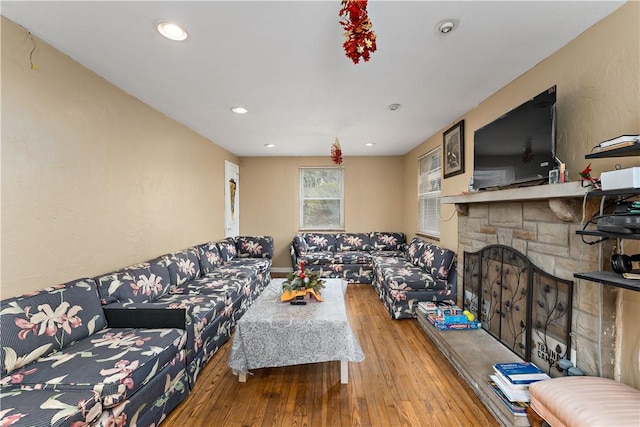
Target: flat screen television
518, 147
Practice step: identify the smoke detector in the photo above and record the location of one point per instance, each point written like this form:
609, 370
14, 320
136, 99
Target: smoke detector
446, 26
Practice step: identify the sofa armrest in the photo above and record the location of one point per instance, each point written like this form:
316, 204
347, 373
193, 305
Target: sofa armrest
294, 257
145, 317
452, 279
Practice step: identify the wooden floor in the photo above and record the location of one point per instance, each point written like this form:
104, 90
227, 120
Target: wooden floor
403, 381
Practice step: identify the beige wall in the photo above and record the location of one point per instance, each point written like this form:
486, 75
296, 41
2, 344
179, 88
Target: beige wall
598, 82
269, 196
597, 77
92, 178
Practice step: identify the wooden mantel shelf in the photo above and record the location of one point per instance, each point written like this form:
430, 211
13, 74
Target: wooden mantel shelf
561, 198
571, 190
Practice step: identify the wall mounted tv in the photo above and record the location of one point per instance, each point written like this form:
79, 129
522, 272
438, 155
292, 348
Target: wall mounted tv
519, 147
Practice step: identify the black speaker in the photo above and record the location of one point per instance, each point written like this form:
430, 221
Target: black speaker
622, 263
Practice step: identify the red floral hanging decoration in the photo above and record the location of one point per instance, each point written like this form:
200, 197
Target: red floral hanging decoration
360, 39
336, 152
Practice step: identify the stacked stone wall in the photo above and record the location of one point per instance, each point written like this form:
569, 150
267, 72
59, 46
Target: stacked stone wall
552, 244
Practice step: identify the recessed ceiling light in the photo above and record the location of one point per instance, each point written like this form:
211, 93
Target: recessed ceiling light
394, 107
239, 110
446, 26
269, 145
172, 31
370, 144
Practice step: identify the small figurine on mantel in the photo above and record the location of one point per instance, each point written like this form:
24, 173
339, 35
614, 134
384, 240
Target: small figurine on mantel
588, 179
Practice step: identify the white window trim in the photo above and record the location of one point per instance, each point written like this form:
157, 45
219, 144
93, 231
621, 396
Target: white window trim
435, 175
301, 199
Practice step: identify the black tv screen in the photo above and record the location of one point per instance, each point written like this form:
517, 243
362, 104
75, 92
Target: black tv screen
518, 147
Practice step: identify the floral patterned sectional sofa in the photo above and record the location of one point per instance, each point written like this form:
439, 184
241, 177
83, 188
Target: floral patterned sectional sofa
402, 274
126, 347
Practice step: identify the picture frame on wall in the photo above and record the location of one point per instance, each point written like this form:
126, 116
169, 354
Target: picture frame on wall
453, 150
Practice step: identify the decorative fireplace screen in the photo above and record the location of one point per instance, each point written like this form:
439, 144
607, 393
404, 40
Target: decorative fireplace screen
525, 308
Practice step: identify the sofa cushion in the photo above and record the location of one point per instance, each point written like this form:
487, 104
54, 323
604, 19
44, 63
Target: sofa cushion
299, 244
386, 254
23, 407
586, 401
411, 278
153, 403
209, 256
254, 246
352, 257
212, 302
40, 323
183, 266
227, 248
144, 282
414, 251
317, 258
317, 242
113, 362
387, 241
261, 265
437, 260
353, 242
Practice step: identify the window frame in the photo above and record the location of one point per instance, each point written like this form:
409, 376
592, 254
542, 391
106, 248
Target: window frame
430, 228
301, 201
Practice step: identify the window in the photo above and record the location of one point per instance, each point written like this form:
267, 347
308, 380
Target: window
321, 198
429, 178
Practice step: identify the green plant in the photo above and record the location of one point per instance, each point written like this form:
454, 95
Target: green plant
300, 280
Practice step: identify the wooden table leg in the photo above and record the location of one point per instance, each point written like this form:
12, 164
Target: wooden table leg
242, 377
534, 419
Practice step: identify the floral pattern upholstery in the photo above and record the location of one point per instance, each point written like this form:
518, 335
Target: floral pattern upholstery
254, 246
215, 293
145, 282
41, 323
209, 256
434, 259
61, 364
353, 242
161, 395
299, 245
344, 255
183, 266
403, 282
53, 408
320, 241
227, 248
387, 241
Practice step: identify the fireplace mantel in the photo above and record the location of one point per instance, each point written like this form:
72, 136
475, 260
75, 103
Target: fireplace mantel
561, 198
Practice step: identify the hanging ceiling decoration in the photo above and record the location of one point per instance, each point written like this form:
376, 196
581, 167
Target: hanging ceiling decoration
360, 39
336, 152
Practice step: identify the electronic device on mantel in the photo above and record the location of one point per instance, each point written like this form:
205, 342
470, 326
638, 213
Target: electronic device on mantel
624, 220
518, 148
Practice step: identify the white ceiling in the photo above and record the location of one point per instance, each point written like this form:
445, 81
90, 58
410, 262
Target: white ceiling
283, 60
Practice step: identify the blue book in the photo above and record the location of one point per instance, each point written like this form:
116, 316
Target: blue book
521, 373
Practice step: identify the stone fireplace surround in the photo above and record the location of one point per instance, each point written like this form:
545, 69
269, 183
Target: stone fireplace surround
541, 223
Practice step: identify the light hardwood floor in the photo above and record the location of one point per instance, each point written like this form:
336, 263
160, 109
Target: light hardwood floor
403, 381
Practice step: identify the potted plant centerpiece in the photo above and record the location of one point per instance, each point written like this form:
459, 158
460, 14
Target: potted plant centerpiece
299, 284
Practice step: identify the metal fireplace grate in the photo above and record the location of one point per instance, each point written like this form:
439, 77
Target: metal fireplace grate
522, 306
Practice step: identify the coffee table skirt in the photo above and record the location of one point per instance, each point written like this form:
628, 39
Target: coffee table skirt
274, 333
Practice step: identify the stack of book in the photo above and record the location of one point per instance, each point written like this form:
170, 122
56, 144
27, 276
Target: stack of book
619, 142
511, 383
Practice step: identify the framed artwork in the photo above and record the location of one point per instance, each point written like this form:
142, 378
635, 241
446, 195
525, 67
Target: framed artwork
453, 150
